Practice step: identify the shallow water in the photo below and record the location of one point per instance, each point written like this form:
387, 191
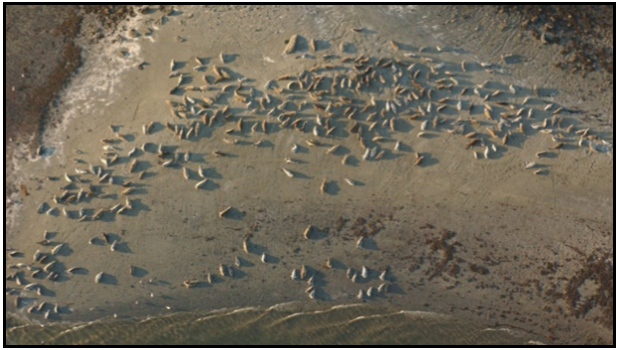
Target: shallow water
281, 324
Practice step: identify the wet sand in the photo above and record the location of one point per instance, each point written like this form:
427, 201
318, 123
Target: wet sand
515, 238
31, 84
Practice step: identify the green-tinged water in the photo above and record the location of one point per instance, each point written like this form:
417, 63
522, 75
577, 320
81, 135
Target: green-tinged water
281, 324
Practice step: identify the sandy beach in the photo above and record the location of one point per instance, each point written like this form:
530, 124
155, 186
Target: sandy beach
512, 229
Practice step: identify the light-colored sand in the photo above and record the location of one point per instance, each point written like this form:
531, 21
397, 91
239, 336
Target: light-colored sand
506, 219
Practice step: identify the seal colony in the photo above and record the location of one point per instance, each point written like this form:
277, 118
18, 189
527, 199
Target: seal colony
387, 103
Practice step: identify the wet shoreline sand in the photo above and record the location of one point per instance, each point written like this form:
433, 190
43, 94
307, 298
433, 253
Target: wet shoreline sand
30, 84
477, 270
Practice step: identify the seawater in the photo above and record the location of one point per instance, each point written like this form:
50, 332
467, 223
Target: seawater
283, 324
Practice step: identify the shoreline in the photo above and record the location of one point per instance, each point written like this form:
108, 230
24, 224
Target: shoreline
31, 88
262, 217
288, 316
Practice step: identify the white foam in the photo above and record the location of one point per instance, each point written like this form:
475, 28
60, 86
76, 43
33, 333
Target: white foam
360, 318
97, 80
425, 314
318, 312
283, 306
345, 306
75, 329
534, 342
401, 10
506, 330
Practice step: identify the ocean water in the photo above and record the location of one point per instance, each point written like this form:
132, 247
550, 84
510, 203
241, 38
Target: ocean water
280, 324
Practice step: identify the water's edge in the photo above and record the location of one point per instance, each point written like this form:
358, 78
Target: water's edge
288, 323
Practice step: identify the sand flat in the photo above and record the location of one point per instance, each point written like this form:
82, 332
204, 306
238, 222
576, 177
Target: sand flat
505, 218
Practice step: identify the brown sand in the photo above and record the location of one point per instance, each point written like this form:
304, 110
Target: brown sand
516, 238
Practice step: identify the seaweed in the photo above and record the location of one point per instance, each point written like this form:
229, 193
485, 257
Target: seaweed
448, 251
581, 31
599, 269
364, 228
341, 221
478, 269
